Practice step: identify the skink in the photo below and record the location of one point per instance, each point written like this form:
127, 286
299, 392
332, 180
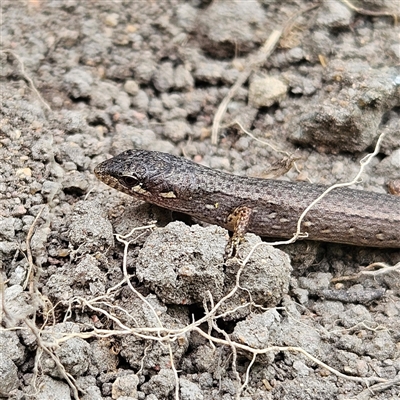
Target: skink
269, 208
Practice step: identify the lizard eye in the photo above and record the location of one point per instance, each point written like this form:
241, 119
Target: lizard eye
130, 181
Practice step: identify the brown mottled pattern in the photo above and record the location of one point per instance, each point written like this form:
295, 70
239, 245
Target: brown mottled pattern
344, 216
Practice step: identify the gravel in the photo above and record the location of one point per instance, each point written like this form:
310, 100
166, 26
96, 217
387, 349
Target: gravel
151, 75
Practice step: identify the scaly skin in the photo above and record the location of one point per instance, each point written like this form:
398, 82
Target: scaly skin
344, 215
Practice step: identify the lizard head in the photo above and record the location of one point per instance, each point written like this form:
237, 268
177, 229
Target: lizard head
140, 173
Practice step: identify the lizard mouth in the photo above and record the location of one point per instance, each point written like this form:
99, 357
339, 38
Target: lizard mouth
102, 172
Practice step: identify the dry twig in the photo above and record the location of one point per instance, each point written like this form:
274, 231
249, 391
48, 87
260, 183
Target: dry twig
32, 268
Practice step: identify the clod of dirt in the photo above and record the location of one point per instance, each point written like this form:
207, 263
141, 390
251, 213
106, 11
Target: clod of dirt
49, 388
8, 376
334, 14
73, 353
125, 386
227, 26
266, 276
160, 385
264, 91
89, 229
134, 349
190, 263
349, 119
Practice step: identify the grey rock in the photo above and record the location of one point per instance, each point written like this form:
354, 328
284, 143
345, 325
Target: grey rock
145, 68
314, 389
205, 359
128, 137
123, 101
266, 276
18, 275
245, 116
351, 362
43, 149
229, 77
156, 108
8, 248
205, 380
307, 336
59, 286
194, 101
171, 100
295, 55
38, 244
228, 386
86, 279
119, 72
266, 90
174, 114
88, 275
210, 72
302, 295
301, 368
395, 48
389, 166
102, 94
165, 146
95, 44
303, 85
131, 87
329, 311
255, 331
351, 343
89, 384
